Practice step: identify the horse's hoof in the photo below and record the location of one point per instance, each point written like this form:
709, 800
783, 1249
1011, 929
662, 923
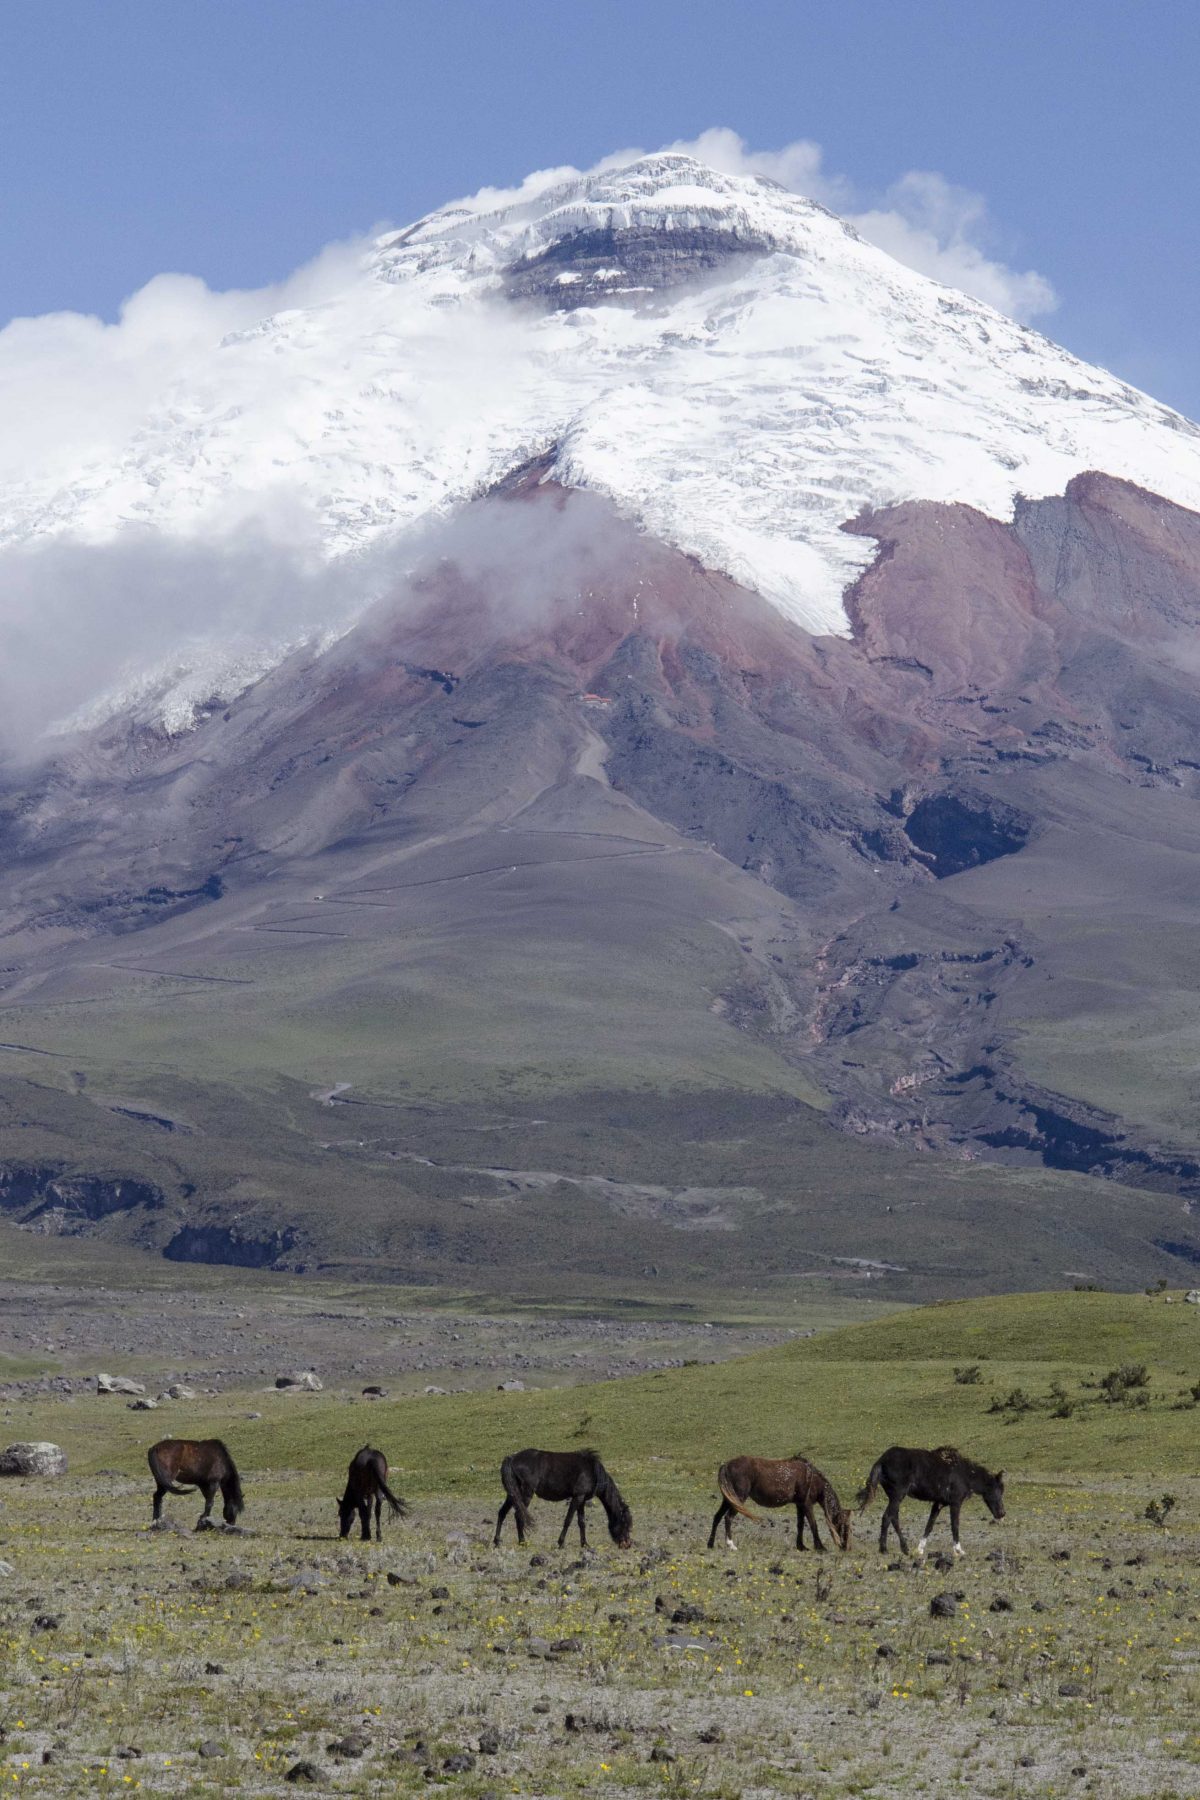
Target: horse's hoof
921, 1548
959, 1551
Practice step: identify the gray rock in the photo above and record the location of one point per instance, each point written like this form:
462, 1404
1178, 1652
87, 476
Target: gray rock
510, 1387
143, 1405
1193, 1297
375, 1393
6, 1568
305, 1771
118, 1384
177, 1391
943, 1606
210, 1747
301, 1380
33, 1459
354, 1744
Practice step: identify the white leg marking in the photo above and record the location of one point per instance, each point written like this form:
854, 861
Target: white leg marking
921, 1547
958, 1550
729, 1544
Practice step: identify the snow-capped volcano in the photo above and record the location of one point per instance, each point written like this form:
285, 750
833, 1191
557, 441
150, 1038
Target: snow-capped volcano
728, 362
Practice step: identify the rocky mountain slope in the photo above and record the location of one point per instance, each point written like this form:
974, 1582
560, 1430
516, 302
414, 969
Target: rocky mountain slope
574, 912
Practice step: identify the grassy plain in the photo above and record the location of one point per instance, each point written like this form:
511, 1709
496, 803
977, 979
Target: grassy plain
1072, 1664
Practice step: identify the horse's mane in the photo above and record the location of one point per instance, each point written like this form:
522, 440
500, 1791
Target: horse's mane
233, 1478
976, 1471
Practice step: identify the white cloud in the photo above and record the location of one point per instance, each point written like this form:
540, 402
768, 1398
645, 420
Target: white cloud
923, 220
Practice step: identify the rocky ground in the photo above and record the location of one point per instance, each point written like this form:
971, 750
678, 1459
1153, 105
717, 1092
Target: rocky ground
219, 1342
1061, 1657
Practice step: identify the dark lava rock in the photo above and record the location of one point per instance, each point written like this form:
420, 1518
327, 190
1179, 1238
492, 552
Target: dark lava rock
239, 1580
127, 1752
46, 1622
353, 1744
937, 1659
566, 1646
439, 1593
1060, 1556
688, 1614
489, 1742
537, 1561
1070, 1690
943, 1606
210, 1747
211, 1668
885, 1650
305, 1770
395, 1580
660, 1754
1001, 1603
459, 1763
712, 1734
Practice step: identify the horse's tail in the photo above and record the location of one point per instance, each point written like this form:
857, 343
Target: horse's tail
160, 1478
725, 1483
512, 1488
867, 1494
398, 1505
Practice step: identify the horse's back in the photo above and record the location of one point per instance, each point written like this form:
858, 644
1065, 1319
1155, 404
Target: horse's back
190, 1460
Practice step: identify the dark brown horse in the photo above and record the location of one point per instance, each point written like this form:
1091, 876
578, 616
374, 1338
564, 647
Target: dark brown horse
366, 1481
575, 1476
944, 1477
178, 1464
789, 1481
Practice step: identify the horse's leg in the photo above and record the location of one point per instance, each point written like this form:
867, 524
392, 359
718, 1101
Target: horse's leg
505, 1509
723, 1511
209, 1490
562, 1536
930, 1522
364, 1519
159, 1494
579, 1506
955, 1509
378, 1518
886, 1521
811, 1516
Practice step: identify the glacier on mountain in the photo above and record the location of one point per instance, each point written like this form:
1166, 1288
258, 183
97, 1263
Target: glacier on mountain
728, 362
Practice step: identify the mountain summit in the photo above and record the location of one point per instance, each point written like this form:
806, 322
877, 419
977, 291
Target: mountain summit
731, 365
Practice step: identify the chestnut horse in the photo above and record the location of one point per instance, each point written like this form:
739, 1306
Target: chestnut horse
786, 1481
944, 1477
366, 1481
178, 1464
575, 1476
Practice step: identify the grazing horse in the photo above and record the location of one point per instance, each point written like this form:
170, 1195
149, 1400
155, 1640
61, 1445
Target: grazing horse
944, 1477
790, 1481
575, 1476
366, 1480
178, 1464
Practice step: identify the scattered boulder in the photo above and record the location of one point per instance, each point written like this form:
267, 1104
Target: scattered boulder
1070, 1690
1192, 1297
943, 1606
177, 1391
210, 1748
459, 1764
711, 1734
6, 1568
46, 1622
119, 1384
375, 1393
305, 1771
433, 1390
354, 1744
33, 1459
145, 1404
510, 1387
300, 1381
1001, 1603
660, 1754
688, 1614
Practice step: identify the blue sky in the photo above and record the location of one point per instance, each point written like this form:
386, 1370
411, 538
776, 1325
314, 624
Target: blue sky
233, 138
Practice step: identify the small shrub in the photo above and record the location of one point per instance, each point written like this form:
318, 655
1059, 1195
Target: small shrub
1159, 1511
1122, 1382
1015, 1401
970, 1375
1061, 1403
1159, 1286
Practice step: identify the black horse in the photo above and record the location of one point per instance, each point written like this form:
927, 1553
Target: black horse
366, 1481
944, 1477
576, 1476
178, 1464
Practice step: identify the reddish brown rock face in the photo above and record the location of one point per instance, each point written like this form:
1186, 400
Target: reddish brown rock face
935, 844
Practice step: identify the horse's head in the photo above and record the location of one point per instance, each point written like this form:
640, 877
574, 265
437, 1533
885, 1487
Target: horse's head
841, 1525
345, 1515
620, 1526
231, 1510
993, 1494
